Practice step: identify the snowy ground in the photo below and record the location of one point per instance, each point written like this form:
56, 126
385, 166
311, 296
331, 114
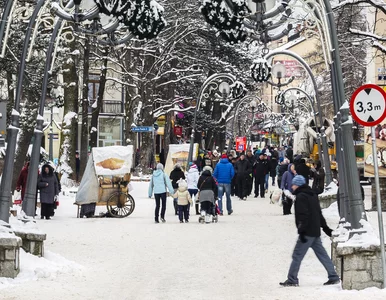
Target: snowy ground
244, 256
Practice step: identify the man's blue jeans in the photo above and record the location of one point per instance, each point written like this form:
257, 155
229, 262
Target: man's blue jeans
266, 181
300, 251
224, 187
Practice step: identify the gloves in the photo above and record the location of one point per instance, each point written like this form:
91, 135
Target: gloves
288, 194
327, 230
302, 238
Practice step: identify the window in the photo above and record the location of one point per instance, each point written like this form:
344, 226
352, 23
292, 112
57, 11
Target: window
93, 88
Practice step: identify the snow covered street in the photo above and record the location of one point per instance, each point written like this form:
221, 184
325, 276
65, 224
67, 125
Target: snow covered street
244, 256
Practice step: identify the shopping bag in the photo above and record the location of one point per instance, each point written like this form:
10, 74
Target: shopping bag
276, 196
17, 198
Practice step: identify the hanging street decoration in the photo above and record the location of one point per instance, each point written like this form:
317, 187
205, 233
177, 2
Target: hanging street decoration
229, 22
261, 71
114, 7
144, 18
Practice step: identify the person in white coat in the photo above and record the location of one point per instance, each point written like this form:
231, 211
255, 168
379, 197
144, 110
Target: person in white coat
192, 179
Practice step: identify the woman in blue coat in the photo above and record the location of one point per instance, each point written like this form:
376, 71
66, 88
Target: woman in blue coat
159, 184
286, 184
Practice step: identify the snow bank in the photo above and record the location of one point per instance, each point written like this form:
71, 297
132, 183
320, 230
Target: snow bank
33, 268
24, 227
331, 211
364, 240
331, 189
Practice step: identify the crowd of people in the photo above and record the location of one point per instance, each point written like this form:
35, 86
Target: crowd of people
232, 174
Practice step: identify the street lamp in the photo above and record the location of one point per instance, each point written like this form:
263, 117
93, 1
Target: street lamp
224, 88
252, 105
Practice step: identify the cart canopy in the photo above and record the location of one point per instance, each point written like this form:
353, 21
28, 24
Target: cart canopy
103, 161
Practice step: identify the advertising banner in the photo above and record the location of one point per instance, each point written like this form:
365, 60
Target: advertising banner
241, 143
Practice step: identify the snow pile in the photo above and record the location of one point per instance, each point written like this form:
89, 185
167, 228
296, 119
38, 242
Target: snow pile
364, 240
34, 268
331, 189
24, 227
331, 211
5, 231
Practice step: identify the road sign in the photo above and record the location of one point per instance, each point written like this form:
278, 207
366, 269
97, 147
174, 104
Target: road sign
368, 105
241, 143
142, 129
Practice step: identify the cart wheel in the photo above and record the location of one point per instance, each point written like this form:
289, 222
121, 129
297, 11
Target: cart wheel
120, 205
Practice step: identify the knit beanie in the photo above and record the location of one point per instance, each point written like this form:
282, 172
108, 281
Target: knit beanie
281, 159
160, 166
224, 156
298, 180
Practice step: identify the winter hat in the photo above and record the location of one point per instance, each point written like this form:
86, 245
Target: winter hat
160, 166
298, 180
182, 183
177, 165
208, 168
281, 159
190, 164
224, 156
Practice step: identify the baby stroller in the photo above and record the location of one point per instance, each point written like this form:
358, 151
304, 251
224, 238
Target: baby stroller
209, 212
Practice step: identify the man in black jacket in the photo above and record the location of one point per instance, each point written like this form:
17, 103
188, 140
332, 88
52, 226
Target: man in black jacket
302, 169
261, 170
252, 160
243, 168
309, 220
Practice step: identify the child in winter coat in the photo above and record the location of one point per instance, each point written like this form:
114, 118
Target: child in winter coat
183, 201
192, 179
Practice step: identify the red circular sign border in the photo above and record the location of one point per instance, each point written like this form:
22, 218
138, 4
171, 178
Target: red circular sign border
353, 97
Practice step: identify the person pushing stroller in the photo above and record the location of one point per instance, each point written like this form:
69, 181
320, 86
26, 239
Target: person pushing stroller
208, 190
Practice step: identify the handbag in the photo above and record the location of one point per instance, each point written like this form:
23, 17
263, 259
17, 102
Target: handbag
198, 193
56, 202
17, 198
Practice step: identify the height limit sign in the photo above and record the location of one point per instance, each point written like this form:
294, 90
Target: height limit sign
368, 105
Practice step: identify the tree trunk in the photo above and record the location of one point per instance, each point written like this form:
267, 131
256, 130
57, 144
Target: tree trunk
69, 136
11, 96
97, 109
28, 123
382, 186
84, 129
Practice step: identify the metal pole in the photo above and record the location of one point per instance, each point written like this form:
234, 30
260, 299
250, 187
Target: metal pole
196, 109
30, 194
4, 20
326, 158
353, 183
50, 157
12, 131
379, 205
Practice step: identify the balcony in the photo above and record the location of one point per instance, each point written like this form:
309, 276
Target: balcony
109, 107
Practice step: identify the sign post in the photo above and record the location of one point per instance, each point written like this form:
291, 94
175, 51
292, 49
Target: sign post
241, 143
368, 108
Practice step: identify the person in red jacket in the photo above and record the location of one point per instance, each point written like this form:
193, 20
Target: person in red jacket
21, 183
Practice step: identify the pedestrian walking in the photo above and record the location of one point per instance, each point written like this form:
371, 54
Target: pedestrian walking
208, 192
183, 201
272, 168
49, 190
260, 171
175, 175
192, 180
234, 187
243, 170
318, 174
224, 173
21, 183
309, 219
159, 184
286, 184
289, 153
252, 160
304, 170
